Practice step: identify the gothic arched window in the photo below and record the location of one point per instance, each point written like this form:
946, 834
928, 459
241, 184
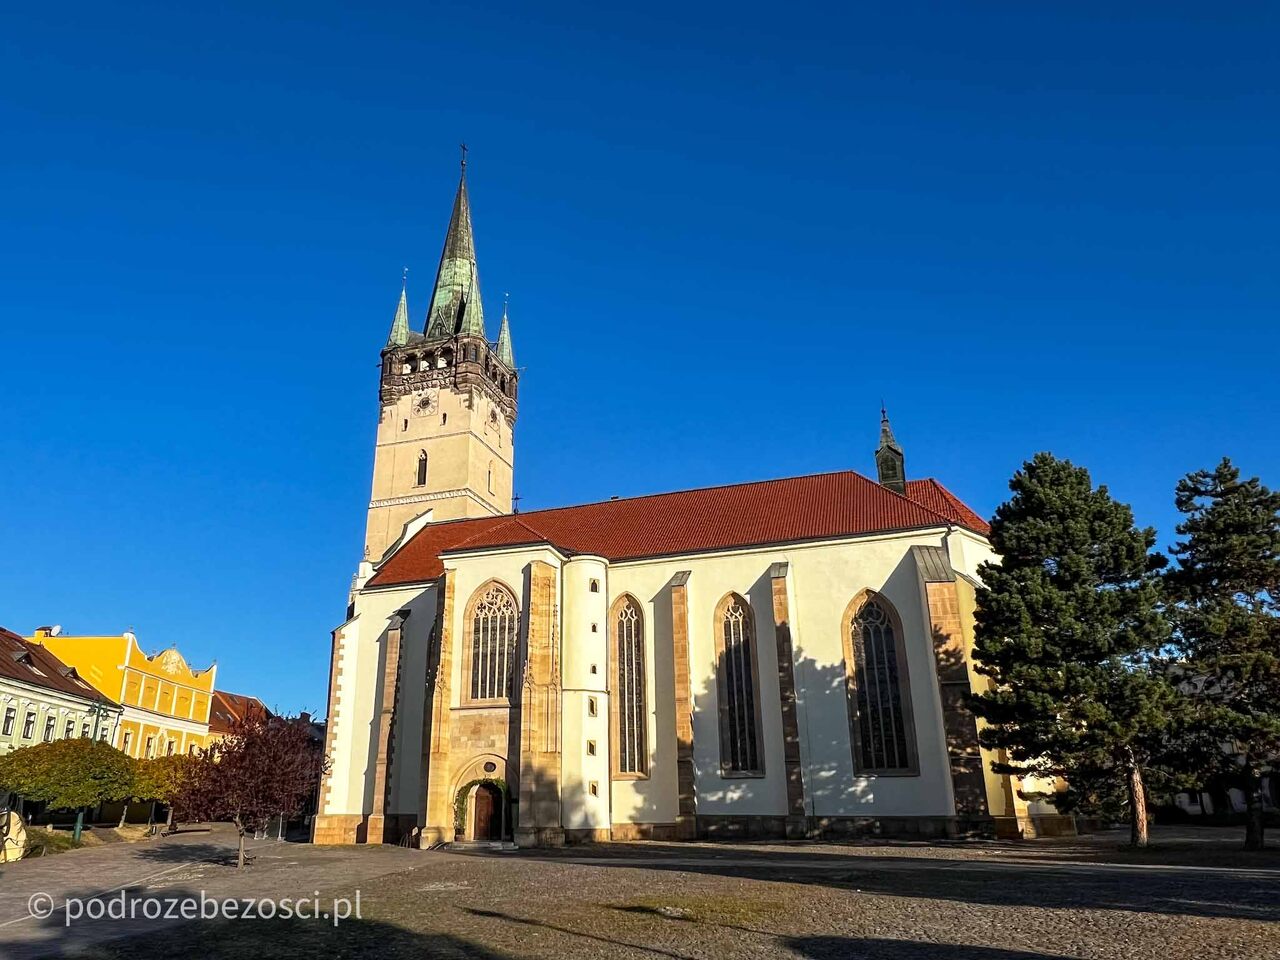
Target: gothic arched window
630, 709
738, 683
495, 623
422, 469
878, 688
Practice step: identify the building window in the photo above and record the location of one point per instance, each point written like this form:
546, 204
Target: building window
593, 708
591, 748
29, 725
422, 469
127, 742
150, 751
876, 683
630, 712
102, 734
738, 684
444, 419
491, 476
595, 586
593, 788
10, 715
69, 731
168, 750
495, 620
49, 723
84, 729
191, 749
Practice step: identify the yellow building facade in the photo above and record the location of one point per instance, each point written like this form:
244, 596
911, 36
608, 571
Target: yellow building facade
166, 702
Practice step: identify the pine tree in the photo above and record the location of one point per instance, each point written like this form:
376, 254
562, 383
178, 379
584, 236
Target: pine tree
1225, 593
1068, 626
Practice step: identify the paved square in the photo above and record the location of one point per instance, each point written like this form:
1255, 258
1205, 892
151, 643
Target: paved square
1196, 896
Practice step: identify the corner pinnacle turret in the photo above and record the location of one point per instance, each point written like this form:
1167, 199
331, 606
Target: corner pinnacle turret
399, 335
505, 353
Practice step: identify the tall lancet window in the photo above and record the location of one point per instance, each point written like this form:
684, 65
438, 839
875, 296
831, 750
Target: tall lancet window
422, 469
630, 712
878, 689
738, 681
495, 624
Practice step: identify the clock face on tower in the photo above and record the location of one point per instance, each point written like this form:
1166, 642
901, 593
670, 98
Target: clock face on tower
426, 403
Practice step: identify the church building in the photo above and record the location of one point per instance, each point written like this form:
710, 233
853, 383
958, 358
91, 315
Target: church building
782, 658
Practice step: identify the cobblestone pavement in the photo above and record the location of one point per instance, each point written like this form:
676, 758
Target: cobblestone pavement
1078, 899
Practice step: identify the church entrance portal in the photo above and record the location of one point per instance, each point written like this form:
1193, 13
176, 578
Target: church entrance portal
486, 812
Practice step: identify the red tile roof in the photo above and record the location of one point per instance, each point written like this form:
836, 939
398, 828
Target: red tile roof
31, 663
815, 507
229, 707
941, 500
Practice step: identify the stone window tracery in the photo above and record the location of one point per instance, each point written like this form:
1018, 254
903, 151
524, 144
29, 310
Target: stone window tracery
630, 708
881, 725
495, 621
738, 686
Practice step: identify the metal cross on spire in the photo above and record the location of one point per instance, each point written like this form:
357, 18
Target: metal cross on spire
464, 156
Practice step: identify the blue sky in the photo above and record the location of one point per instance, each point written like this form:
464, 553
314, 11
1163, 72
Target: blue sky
728, 233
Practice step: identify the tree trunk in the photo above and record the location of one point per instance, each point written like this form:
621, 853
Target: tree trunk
75, 835
240, 852
123, 813
168, 820
1137, 808
1253, 835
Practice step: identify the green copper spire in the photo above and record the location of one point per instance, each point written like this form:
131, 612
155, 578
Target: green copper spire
399, 335
504, 340
455, 302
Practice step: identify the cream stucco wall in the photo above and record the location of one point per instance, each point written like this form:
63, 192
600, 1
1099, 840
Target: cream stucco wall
822, 579
585, 667
358, 696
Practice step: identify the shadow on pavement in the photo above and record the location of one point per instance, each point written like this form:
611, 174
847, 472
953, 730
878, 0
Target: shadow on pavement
855, 948
1176, 891
221, 939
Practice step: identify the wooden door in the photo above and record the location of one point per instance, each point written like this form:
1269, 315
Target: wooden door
486, 814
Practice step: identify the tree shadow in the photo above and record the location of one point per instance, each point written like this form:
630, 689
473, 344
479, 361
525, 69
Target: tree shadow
223, 939
858, 948
511, 918
161, 852
1008, 883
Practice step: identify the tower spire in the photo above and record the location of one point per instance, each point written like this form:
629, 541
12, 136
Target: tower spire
456, 307
890, 462
505, 353
399, 335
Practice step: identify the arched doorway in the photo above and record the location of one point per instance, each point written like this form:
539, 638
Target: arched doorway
486, 812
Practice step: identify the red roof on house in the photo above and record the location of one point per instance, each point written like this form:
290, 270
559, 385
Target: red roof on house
29, 662
817, 507
227, 708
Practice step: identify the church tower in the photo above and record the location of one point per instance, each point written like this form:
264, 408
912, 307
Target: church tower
446, 433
